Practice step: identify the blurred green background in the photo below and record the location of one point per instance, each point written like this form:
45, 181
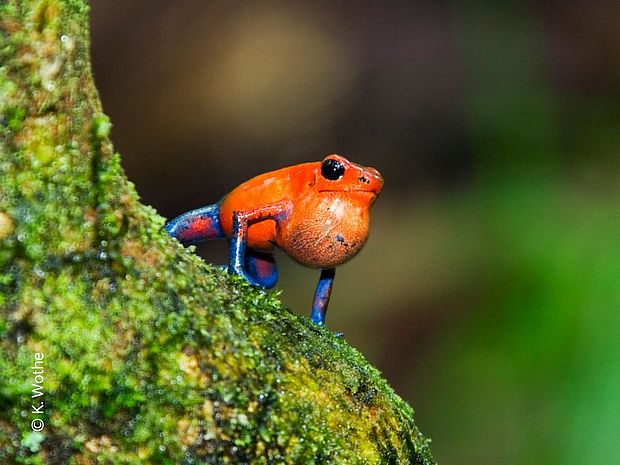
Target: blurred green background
489, 290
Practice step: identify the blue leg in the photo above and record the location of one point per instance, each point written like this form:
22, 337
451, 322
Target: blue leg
239, 235
321, 296
197, 225
261, 266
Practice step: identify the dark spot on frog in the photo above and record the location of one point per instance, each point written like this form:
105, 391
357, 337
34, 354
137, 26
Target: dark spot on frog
340, 239
364, 180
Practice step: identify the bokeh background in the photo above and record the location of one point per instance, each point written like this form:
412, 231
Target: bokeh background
489, 291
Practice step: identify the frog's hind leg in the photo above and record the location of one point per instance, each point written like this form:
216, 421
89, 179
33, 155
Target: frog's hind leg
261, 268
197, 225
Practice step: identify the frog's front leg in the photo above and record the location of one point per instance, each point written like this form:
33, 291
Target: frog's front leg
238, 239
197, 225
322, 295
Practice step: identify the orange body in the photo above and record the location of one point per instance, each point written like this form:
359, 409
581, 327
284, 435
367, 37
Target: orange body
324, 222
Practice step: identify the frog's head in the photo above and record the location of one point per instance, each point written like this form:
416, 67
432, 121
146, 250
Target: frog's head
327, 229
337, 174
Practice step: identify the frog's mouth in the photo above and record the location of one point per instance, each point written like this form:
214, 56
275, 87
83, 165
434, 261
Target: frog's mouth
367, 191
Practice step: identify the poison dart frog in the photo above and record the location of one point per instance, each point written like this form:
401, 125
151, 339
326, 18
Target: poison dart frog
318, 213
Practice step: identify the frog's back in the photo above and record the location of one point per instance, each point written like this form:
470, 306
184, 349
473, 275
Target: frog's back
266, 189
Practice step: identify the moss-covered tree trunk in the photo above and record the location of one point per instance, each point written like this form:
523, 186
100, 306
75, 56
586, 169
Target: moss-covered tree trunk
143, 353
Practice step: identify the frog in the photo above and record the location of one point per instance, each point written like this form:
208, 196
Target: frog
318, 213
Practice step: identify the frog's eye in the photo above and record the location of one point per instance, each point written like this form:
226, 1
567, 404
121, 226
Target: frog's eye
332, 169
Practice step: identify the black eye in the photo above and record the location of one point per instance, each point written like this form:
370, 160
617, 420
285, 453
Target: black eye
332, 169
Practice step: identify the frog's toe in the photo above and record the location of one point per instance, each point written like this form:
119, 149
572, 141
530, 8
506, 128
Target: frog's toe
240, 271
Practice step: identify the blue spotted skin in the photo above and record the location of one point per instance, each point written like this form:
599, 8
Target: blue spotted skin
261, 266
197, 225
257, 267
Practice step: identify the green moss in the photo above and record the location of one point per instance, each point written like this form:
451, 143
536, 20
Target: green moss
101, 127
14, 118
32, 440
150, 355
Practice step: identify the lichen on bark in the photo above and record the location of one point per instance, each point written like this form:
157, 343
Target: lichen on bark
150, 355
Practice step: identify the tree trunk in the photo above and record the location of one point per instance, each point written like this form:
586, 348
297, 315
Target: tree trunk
143, 353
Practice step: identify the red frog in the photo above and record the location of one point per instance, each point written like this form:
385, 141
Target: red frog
318, 213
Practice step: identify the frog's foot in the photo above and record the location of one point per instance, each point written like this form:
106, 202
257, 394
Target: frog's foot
240, 271
338, 334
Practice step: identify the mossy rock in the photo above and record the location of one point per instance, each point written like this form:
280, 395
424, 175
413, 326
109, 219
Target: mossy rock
149, 354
